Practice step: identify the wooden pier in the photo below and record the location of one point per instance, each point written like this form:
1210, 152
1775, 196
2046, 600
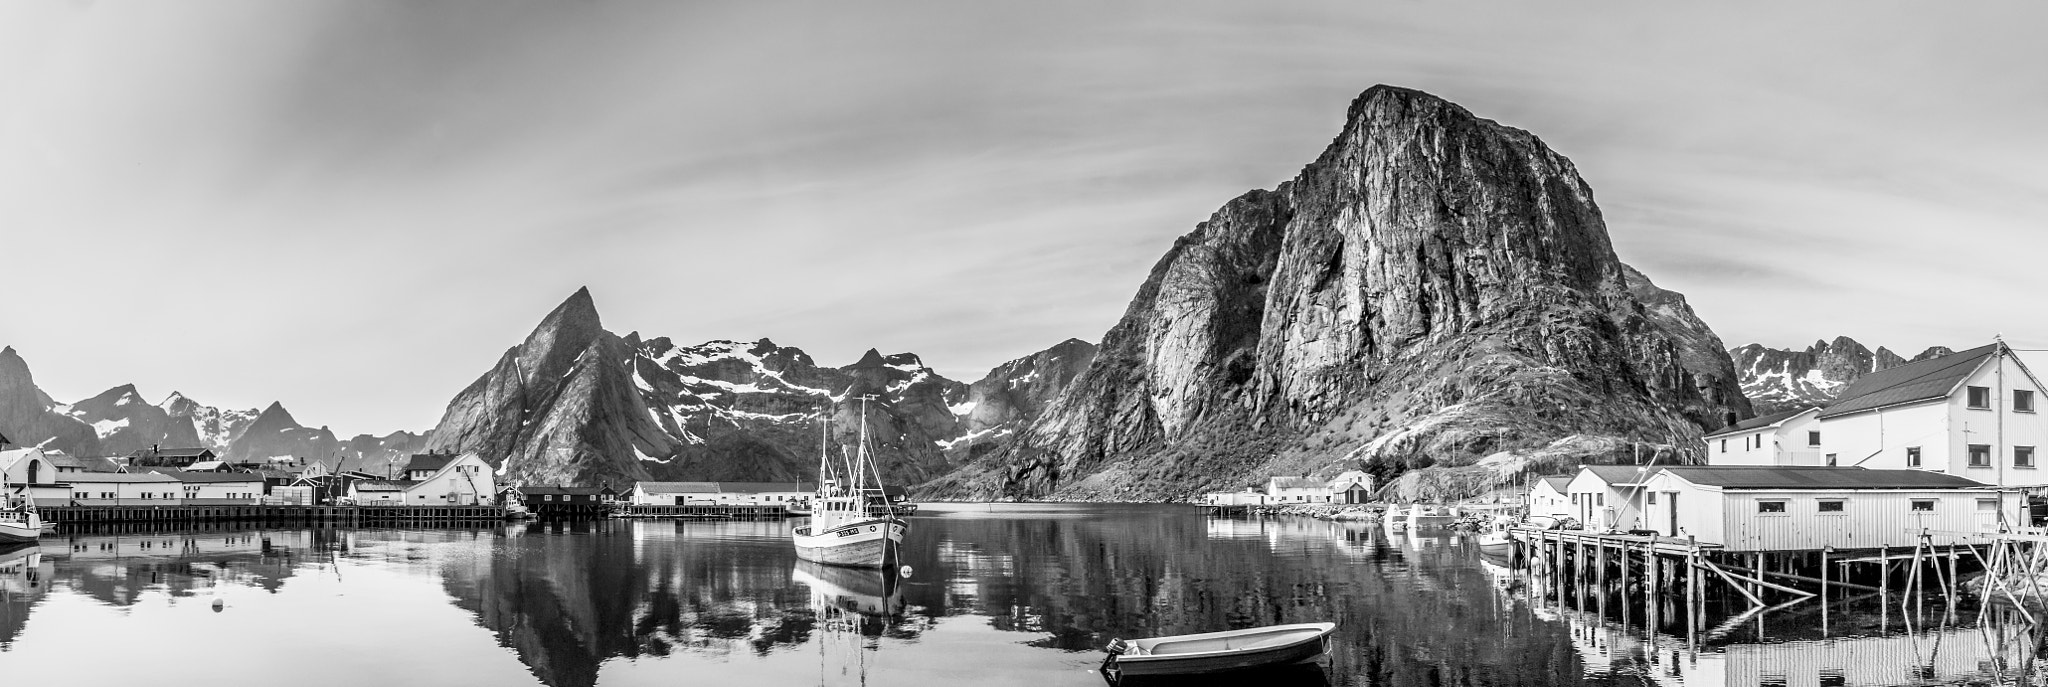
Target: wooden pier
342, 515
708, 512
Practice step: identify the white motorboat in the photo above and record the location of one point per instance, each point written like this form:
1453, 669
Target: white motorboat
1396, 520
1216, 652
19, 521
846, 527
1421, 517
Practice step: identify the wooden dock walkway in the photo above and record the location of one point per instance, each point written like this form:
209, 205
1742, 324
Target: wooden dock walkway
345, 515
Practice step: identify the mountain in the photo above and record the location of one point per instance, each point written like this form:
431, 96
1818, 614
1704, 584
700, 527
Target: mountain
119, 421
29, 417
1013, 394
1777, 380
577, 404
1434, 297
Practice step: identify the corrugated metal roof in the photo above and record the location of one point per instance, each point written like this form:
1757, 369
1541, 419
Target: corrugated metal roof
561, 491
210, 477
1816, 477
760, 487
1924, 380
679, 487
1756, 423
429, 461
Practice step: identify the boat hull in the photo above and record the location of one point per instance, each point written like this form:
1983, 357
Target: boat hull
1230, 660
20, 527
869, 543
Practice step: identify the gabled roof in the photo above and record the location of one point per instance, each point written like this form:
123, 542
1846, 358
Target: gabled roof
1816, 477
430, 461
679, 487
1558, 483
1925, 380
1759, 422
760, 487
1619, 474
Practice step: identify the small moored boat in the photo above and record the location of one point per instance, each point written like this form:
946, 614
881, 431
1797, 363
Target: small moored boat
1215, 652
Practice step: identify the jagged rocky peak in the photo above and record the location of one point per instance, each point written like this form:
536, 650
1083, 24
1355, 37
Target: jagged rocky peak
561, 337
1013, 394
1434, 289
1788, 379
30, 417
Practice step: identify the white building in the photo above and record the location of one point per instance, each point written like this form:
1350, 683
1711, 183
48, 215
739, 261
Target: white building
674, 493
1550, 497
215, 488
378, 492
1975, 414
1608, 497
1805, 508
1234, 498
1792, 437
1351, 486
447, 479
122, 489
1290, 490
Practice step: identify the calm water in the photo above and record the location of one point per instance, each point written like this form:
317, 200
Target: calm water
1014, 595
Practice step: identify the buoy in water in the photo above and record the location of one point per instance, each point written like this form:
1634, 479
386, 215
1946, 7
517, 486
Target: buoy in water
904, 571
217, 605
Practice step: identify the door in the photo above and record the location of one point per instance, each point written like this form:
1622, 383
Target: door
1671, 501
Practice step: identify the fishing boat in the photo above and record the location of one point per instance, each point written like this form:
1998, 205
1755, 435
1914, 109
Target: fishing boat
1396, 520
19, 521
1421, 517
1495, 542
1216, 652
846, 527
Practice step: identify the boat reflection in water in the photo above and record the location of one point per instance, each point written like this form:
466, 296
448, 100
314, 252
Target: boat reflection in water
874, 595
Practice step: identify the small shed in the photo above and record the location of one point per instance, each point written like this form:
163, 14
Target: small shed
1550, 497
1608, 497
1806, 508
674, 493
1351, 486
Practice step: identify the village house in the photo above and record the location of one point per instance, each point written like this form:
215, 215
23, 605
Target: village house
766, 493
378, 492
547, 501
160, 457
1806, 508
1292, 490
1550, 497
1792, 437
1608, 497
448, 479
674, 493
1351, 487
1974, 414
121, 489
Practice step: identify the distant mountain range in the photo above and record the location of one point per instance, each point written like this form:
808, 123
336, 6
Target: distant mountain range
1781, 379
120, 421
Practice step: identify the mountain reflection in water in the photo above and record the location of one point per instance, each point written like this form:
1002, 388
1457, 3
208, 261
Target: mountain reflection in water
1010, 594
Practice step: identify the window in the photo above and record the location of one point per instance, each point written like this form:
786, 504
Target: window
547, 497
1813, 438
1770, 507
1831, 460
1980, 397
1724, 445
1912, 456
1653, 498
2023, 456
2022, 401
1987, 505
1831, 505
1923, 505
1599, 499
1980, 455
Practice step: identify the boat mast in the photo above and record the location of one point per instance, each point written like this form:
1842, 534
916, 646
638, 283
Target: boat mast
861, 452
824, 443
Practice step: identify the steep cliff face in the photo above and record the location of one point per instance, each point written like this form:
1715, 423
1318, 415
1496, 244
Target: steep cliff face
1782, 379
1436, 290
1013, 394
28, 417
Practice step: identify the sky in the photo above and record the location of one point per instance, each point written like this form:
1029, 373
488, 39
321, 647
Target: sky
354, 207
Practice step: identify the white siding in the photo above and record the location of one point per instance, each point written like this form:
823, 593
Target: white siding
1999, 426
1698, 511
1870, 518
1544, 500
